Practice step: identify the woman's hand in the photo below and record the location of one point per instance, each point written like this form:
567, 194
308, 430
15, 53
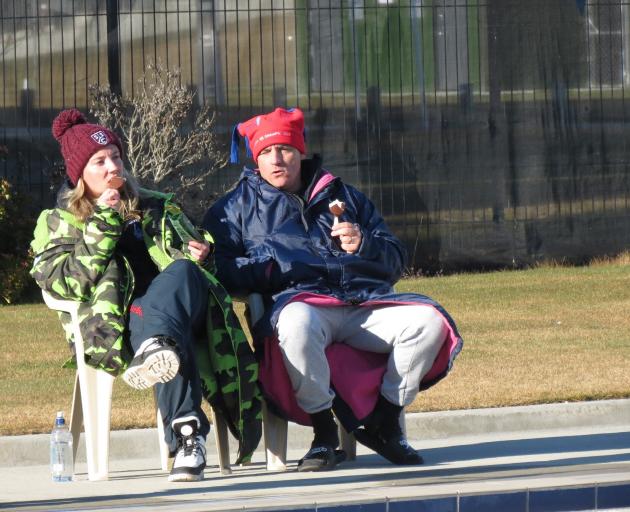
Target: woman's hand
110, 197
349, 236
199, 250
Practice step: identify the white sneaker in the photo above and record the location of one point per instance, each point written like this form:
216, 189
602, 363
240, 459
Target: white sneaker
190, 459
155, 361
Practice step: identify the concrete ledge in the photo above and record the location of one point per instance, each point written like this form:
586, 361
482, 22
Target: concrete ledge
436, 425
143, 443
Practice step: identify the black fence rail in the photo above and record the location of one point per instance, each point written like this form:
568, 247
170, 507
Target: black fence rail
489, 133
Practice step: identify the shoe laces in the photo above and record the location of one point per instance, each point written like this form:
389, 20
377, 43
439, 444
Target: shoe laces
191, 446
317, 449
153, 346
404, 443
158, 342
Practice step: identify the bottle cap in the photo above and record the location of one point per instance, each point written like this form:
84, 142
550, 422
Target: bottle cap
60, 420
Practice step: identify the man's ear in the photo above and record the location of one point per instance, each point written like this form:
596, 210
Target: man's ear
302, 156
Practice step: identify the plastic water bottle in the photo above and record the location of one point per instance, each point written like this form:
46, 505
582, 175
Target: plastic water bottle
61, 461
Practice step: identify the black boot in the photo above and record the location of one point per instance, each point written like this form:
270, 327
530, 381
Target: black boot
382, 433
322, 456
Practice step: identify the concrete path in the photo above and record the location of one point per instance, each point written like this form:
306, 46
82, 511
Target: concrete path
553, 457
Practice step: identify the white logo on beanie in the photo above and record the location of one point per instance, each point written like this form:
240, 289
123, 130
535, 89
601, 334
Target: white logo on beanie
272, 134
100, 137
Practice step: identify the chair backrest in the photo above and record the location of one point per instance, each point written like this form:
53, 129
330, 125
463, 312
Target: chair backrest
72, 308
69, 306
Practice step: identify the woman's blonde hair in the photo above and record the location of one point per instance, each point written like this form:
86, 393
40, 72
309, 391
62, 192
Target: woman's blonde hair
81, 206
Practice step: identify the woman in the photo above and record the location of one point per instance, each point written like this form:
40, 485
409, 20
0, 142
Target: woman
143, 275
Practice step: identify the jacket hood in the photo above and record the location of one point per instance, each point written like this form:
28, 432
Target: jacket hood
62, 195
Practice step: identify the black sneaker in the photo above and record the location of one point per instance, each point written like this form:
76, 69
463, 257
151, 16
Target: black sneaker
321, 458
190, 458
395, 449
155, 361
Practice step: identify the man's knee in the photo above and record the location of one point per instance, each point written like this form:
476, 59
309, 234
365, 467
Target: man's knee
298, 327
295, 317
425, 326
431, 324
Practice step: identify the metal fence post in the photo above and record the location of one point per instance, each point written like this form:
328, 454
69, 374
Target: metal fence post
113, 47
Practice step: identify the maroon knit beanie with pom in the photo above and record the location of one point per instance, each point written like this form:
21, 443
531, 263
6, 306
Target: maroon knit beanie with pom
79, 140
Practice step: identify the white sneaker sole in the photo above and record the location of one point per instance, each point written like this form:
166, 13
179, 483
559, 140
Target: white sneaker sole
160, 366
185, 477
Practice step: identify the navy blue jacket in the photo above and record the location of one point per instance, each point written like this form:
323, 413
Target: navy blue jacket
279, 244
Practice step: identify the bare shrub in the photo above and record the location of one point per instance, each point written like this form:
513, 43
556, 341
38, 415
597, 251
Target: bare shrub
16, 230
169, 143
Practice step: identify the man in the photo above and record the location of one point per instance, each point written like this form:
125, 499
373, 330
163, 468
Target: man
330, 277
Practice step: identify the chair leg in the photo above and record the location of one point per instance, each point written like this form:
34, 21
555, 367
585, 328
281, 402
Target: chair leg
348, 443
76, 416
96, 396
275, 435
164, 451
222, 443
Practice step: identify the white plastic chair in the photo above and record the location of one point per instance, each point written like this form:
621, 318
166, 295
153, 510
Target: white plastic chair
92, 404
275, 428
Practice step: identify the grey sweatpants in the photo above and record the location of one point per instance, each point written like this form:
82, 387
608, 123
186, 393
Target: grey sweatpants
411, 334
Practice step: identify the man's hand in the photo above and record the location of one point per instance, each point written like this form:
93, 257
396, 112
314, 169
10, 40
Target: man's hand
198, 250
349, 236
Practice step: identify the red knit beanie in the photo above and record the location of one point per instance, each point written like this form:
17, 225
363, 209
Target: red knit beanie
80, 140
278, 127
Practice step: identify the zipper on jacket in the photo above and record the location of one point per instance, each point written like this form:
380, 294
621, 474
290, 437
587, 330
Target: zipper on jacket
300, 202
130, 285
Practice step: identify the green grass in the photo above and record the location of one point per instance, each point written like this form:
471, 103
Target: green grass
548, 334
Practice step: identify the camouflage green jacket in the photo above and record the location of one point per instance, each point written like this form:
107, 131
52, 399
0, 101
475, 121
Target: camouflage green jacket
76, 260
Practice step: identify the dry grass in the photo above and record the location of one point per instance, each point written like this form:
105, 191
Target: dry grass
33, 383
543, 335
619, 259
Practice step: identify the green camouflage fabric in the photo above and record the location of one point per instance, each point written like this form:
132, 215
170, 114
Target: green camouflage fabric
76, 260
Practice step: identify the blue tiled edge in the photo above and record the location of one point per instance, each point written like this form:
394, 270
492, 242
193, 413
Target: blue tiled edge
544, 500
357, 507
613, 496
426, 505
558, 500
498, 502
